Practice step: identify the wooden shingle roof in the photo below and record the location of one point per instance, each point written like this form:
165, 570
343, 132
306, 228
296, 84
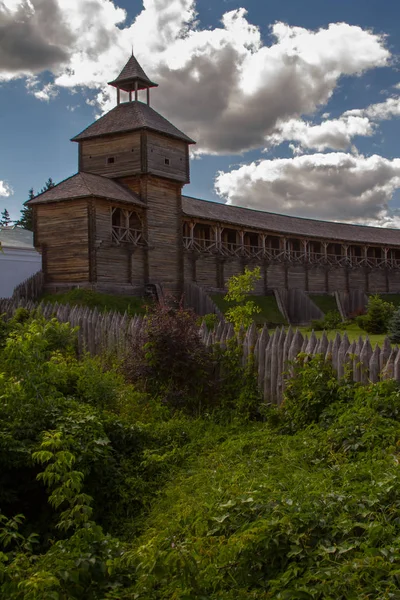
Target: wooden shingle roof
131, 116
291, 226
85, 185
130, 73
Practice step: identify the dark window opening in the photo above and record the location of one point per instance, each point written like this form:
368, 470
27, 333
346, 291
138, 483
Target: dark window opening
335, 249
110, 160
315, 248
294, 245
118, 218
274, 243
251, 239
356, 251
229, 237
166, 161
202, 234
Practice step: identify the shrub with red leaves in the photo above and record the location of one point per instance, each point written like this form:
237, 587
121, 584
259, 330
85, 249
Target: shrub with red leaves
169, 360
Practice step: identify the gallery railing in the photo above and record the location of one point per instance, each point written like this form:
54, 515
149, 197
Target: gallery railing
305, 256
125, 235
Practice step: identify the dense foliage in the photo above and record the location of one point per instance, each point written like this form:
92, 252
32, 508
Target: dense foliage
107, 491
378, 315
332, 320
394, 327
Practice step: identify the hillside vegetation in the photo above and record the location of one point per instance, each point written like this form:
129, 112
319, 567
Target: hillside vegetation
132, 305
137, 480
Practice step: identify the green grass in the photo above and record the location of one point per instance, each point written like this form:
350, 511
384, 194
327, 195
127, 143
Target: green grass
103, 302
353, 332
325, 302
269, 314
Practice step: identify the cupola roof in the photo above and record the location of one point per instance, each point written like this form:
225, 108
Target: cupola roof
131, 74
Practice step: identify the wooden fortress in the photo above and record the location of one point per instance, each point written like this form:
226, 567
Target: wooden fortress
121, 222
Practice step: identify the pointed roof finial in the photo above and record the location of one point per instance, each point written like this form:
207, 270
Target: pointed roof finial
132, 77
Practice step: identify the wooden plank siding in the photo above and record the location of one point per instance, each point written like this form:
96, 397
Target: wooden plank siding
61, 229
119, 264
164, 233
124, 149
161, 147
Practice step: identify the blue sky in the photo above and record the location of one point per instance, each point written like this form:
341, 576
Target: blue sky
286, 119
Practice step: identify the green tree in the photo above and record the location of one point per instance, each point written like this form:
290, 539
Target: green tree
394, 327
239, 286
5, 218
379, 314
26, 218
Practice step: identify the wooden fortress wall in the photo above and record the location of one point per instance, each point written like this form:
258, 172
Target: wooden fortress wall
211, 271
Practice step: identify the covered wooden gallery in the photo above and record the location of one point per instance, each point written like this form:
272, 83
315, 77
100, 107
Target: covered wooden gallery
121, 222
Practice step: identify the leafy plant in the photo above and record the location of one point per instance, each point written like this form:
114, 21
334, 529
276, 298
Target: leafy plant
168, 359
378, 315
241, 314
332, 320
312, 387
394, 327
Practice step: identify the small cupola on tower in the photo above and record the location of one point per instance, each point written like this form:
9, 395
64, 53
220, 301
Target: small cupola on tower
132, 79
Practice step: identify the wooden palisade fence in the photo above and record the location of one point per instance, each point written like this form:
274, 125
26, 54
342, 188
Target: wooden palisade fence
272, 353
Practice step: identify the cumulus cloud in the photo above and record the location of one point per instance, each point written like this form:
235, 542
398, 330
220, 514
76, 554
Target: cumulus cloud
378, 112
5, 189
333, 186
222, 86
336, 134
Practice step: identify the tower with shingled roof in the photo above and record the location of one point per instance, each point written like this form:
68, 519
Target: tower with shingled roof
133, 164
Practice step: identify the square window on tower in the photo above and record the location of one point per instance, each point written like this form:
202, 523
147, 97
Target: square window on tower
110, 160
166, 161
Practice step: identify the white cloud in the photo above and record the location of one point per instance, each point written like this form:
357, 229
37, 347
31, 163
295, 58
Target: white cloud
336, 134
378, 112
222, 86
5, 189
333, 186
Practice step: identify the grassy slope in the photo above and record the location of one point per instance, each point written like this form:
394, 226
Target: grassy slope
103, 302
393, 298
325, 302
269, 309
256, 514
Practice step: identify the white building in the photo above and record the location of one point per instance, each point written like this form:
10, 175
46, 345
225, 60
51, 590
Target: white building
18, 258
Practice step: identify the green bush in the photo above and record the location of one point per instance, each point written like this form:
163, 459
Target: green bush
332, 320
377, 317
312, 387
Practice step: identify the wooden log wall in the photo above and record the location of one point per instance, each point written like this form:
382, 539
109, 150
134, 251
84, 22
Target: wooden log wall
310, 278
167, 157
61, 234
112, 156
116, 264
164, 234
300, 309
199, 301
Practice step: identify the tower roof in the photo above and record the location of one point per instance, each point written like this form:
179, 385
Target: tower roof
131, 116
131, 73
85, 185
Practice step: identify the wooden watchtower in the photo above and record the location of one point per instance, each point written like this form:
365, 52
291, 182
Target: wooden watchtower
118, 221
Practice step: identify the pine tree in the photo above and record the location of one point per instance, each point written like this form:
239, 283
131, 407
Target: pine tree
49, 184
26, 218
5, 218
394, 327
